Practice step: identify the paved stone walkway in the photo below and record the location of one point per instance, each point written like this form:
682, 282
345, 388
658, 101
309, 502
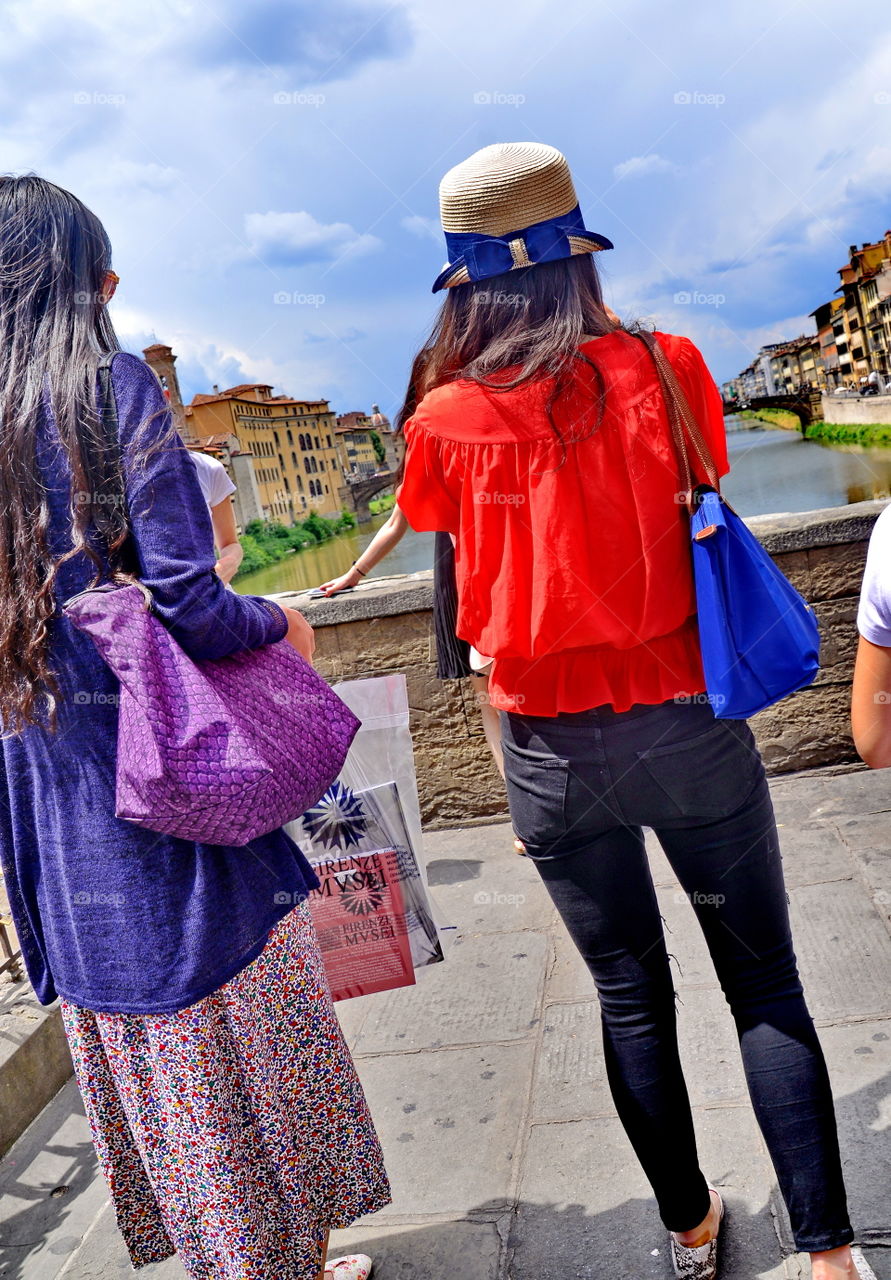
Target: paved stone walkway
487, 1081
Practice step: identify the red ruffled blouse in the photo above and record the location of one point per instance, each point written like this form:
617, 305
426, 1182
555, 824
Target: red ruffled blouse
572, 560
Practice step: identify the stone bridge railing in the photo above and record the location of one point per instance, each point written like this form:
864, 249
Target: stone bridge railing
361, 489
386, 625
807, 403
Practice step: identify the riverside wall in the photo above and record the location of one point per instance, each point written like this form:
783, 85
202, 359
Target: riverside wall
857, 409
385, 625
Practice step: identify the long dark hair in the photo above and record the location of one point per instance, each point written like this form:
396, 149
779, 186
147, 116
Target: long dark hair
54, 330
515, 328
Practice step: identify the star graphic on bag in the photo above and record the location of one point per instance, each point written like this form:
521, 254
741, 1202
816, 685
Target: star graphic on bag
338, 819
363, 898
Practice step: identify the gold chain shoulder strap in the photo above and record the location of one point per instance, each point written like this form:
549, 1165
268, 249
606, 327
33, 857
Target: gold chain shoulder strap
684, 427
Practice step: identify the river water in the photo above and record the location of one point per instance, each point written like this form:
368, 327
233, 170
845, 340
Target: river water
314, 565
771, 470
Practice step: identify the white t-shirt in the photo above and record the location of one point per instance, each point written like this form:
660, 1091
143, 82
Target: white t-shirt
213, 478
874, 614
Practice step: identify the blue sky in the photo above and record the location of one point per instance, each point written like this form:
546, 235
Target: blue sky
268, 171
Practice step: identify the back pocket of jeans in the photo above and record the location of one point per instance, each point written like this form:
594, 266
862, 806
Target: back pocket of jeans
536, 793
707, 776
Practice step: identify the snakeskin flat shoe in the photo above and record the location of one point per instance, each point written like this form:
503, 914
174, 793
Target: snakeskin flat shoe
700, 1263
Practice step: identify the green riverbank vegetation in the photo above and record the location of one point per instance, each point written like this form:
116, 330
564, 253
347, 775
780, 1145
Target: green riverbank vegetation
871, 434
784, 418
266, 542
874, 435
386, 503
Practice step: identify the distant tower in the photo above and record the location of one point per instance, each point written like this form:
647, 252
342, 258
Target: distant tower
162, 360
392, 441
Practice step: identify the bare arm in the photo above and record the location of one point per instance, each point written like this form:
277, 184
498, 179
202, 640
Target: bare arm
231, 553
383, 542
871, 704
225, 537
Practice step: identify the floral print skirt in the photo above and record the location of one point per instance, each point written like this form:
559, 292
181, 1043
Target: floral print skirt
235, 1132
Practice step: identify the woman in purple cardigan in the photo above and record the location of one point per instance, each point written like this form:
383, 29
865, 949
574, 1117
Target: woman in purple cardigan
223, 1102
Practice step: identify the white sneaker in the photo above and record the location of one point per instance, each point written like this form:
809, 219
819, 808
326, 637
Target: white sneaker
700, 1263
354, 1266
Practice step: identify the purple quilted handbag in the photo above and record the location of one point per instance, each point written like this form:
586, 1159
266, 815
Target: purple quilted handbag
219, 751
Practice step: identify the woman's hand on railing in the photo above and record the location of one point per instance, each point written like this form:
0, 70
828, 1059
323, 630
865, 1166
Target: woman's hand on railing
300, 634
349, 579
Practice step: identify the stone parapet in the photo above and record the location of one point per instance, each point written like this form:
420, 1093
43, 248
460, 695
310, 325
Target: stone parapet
857, 409
385, 625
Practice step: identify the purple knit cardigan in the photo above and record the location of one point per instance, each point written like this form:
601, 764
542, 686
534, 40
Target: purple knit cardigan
110, 916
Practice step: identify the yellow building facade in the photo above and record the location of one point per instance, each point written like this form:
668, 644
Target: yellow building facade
296, 456
358, 456
866, 315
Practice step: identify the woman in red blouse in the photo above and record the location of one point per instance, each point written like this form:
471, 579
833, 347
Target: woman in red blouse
537, 437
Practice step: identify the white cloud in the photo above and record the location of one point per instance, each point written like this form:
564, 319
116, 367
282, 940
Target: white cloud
298, 237
423, 228
202, 359
129, 176
640, 166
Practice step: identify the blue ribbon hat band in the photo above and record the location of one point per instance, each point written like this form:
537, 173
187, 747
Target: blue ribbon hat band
478, 257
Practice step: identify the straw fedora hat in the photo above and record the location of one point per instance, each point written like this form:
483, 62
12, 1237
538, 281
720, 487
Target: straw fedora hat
509, 206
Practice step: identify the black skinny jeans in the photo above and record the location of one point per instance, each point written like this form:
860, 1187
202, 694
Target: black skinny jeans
581, 785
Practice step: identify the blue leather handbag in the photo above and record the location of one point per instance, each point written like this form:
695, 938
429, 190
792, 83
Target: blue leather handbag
759, 636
